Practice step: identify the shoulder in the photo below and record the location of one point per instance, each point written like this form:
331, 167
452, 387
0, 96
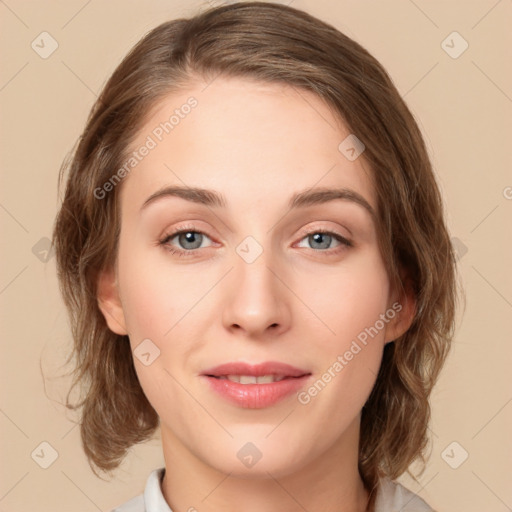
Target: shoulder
394, 496
152, 500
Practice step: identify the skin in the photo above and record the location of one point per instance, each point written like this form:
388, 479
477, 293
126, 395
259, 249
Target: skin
298, 302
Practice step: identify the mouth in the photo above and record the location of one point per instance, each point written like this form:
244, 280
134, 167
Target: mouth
263, 373
255, 386
253, 379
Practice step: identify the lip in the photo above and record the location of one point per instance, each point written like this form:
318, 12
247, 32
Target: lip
257, 370
255, 396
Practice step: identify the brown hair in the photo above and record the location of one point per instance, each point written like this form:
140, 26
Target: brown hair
271, 43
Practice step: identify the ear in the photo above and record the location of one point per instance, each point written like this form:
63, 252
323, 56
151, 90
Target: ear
109, 301
404, 305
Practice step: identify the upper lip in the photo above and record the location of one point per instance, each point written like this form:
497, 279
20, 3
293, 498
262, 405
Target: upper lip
257, 370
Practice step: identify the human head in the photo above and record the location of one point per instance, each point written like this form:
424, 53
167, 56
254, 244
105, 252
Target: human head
276, 45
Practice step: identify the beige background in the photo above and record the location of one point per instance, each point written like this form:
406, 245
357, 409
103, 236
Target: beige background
464, 107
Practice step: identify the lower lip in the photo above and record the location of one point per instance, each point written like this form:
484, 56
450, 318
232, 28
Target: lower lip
256, 396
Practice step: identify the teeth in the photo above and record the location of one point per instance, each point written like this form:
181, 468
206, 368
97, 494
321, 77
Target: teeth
251, 379
265, 379
246, 379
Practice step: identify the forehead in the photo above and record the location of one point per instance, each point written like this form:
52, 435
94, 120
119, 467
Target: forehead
255, 142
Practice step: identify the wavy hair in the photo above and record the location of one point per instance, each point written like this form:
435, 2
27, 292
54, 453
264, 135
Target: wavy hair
271, 43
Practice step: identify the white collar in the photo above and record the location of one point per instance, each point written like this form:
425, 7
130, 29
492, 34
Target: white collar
153, 496
391, 496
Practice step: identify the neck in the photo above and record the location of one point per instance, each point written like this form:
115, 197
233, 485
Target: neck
329, 483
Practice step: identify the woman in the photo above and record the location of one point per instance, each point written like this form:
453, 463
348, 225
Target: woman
254, 257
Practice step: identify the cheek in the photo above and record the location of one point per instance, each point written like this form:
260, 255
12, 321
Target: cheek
349, 349
156, 297
347, 300
155, 293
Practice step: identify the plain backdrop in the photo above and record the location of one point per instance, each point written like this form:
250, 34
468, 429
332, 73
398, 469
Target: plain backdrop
462, 101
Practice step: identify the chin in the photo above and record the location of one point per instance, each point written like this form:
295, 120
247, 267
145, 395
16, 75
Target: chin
256, 458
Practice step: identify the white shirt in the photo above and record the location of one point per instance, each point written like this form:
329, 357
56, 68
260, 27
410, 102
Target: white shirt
391, 497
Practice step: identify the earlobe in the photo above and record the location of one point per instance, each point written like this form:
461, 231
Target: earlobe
109, 302
405, 309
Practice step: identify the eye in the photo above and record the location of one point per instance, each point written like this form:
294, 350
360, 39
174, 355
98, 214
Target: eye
322, 239
188, 240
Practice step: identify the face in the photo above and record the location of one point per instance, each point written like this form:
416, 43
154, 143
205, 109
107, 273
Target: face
292, 291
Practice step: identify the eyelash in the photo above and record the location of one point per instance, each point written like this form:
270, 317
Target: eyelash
191, 229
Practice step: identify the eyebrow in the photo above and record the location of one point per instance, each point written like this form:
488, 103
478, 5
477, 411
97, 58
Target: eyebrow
308, 197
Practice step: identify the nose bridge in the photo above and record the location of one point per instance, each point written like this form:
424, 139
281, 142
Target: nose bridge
257, 299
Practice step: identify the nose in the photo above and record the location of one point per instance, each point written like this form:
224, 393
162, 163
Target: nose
256, 300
